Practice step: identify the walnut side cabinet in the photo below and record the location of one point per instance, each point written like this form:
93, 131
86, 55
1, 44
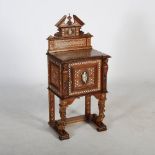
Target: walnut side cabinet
75, 69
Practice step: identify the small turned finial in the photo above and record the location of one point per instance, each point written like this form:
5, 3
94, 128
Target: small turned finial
69, 20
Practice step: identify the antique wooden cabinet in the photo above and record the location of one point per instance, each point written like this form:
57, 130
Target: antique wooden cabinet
75, 69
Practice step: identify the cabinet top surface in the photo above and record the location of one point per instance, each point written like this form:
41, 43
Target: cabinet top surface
77, 54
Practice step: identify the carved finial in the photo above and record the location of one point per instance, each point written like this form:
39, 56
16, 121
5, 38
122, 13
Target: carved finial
69, 20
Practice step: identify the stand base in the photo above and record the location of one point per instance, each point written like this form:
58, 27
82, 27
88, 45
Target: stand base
63, 134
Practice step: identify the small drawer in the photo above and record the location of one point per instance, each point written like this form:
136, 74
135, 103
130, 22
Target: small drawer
84, 77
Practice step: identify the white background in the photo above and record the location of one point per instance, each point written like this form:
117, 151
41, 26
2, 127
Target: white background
124, 29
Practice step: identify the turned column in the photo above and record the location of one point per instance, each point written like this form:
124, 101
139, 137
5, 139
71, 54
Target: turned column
87, 106
97, 119
101, 106
51, 107
60, 124
62, 111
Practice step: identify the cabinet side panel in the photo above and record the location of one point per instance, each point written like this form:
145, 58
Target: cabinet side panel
49, 71
54, 71
105, 70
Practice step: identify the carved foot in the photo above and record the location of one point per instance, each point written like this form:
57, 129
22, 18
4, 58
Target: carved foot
63, 134
59, 127
100, 125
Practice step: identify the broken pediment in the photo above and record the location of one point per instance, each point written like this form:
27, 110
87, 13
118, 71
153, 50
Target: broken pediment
68, 22
69, 26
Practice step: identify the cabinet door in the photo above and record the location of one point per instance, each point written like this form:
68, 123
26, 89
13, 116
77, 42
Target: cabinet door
84, 77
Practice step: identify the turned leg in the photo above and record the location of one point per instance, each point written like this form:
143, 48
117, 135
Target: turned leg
98, 119
60, 125
51, 107
101, 105
87, 106
62, 112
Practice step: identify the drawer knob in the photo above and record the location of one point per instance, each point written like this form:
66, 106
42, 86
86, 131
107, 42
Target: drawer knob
84, 76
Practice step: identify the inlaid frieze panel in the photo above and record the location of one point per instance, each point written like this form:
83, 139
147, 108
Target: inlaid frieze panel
69, 44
